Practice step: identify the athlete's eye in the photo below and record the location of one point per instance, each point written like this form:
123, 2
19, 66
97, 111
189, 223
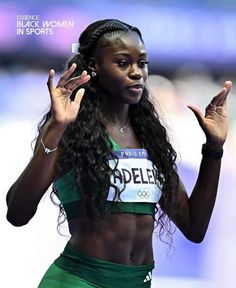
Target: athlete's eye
123, 63
143, 63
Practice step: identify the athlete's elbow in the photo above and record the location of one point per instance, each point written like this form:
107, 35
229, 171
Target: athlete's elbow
195, 237
198, 239
18, 219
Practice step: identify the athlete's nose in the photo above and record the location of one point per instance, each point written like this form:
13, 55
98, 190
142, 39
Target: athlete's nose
135, 72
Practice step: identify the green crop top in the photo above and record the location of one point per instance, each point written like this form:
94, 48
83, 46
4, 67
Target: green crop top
141, 191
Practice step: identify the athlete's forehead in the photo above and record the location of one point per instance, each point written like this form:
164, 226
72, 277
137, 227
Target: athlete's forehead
125, 43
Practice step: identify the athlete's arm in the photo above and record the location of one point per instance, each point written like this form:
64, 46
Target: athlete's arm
194, 212
24, 195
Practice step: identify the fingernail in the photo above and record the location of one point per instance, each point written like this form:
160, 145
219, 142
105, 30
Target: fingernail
228, 82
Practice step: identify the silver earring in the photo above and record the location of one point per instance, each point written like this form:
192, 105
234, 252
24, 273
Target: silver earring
93, 74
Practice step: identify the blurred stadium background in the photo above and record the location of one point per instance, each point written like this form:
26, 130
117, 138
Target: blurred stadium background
192, 51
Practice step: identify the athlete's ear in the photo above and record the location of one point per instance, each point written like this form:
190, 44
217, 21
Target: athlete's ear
92, 65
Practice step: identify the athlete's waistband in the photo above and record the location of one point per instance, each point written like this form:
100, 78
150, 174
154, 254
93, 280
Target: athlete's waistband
104, 273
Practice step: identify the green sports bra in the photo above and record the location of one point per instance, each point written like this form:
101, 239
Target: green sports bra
141, 191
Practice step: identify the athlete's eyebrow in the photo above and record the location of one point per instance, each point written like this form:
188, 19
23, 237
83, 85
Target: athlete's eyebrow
128, 54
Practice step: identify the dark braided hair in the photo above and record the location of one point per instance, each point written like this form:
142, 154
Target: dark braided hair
86, 143
89, 38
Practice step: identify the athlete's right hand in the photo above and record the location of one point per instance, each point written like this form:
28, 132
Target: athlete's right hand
64, 111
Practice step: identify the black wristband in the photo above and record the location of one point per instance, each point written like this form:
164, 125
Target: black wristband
210, 153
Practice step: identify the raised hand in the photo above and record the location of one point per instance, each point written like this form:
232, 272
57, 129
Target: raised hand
64, 111
215, 121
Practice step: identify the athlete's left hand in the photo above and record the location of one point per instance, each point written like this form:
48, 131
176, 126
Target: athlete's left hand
215, 122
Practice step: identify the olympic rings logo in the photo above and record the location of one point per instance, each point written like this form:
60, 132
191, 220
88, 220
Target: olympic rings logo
144, 194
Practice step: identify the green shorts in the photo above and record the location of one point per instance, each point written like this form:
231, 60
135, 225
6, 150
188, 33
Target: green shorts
73, 269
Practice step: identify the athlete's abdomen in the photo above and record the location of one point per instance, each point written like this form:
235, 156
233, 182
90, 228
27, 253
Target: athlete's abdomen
122, 238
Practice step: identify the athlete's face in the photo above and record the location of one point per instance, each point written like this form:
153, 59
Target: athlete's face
122, 68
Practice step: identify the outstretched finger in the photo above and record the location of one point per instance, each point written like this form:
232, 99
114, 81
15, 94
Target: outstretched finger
50, 80
64, 78
227, 87
79, 95
219, 99
198, 114
73, 83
